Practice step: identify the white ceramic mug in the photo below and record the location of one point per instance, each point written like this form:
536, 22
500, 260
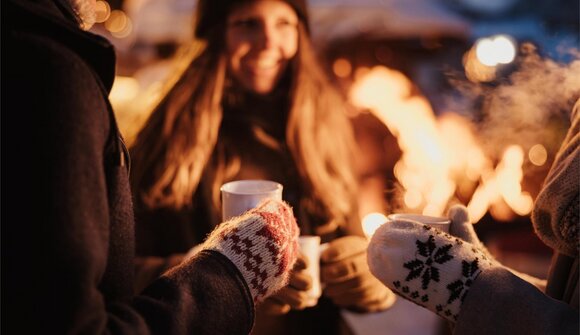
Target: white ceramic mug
311, 249
242, 195
440, 223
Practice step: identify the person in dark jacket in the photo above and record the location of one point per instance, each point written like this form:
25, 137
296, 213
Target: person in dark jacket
68, 257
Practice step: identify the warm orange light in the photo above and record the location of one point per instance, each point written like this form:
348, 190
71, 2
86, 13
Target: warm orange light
441, 157
102, 11
475, 70
424, 168
505, 182
538, 155
124, 90
371, 222
117, 21
342, 68
126, 31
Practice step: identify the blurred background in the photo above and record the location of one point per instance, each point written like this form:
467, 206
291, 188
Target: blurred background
454, 101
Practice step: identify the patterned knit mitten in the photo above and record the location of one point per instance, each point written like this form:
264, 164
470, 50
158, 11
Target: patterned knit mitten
426, 266
462, 227
262, 243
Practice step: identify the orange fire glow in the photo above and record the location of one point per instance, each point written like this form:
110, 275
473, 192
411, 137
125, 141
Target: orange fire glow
441, 156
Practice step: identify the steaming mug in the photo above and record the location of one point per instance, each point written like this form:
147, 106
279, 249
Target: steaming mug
440, 223
242, 195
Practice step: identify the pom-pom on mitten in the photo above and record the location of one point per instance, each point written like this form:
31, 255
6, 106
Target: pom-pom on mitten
262, 243
425, 265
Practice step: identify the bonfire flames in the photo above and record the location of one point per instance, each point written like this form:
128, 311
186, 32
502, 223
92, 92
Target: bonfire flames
442, 157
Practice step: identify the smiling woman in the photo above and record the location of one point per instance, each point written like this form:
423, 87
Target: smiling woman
254, 103
261, 38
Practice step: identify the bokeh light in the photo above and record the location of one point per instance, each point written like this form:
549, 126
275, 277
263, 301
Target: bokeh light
499, 49
371, 222
342, 68
102, 11
119, 24
538, 155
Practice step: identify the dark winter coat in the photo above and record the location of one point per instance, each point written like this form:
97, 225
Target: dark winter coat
67, 259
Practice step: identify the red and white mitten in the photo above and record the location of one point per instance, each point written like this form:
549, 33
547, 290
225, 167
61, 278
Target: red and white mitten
262, 243
425, 265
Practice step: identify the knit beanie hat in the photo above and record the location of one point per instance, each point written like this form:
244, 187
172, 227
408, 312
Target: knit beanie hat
213, 13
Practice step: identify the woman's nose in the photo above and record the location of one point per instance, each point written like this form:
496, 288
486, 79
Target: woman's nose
266, 37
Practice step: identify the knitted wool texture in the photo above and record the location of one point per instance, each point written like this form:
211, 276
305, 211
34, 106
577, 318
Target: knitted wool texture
462, 227
262, 243
556, 214
425, 265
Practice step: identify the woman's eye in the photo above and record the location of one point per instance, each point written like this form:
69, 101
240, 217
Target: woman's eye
249, 23
285, 23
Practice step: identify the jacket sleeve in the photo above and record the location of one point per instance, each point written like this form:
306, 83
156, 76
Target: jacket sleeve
201, 295
56, 253
501, 303
148, 269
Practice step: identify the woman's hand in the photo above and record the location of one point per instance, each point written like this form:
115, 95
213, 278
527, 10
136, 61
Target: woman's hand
292, 296
347, 279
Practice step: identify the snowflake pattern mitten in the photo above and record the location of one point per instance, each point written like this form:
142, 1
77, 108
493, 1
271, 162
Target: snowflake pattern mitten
262, 243
426, 266
462, 227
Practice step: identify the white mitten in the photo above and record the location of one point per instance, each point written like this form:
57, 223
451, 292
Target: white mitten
262, 243
425, 265
462, 227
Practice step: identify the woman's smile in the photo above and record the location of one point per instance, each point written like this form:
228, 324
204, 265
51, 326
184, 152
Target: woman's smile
261, 38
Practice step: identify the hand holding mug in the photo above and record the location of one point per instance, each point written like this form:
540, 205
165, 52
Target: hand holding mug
347, 279
295, 295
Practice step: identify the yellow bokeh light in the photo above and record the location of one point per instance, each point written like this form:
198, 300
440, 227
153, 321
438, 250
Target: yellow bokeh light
500, 49
117, 21
505, 49
126, 31
476, 71
371, 222
484, 50
124, 90
102, 11
342, 68
538, 155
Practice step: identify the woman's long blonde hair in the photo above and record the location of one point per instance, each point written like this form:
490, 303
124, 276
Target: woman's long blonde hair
174, 147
